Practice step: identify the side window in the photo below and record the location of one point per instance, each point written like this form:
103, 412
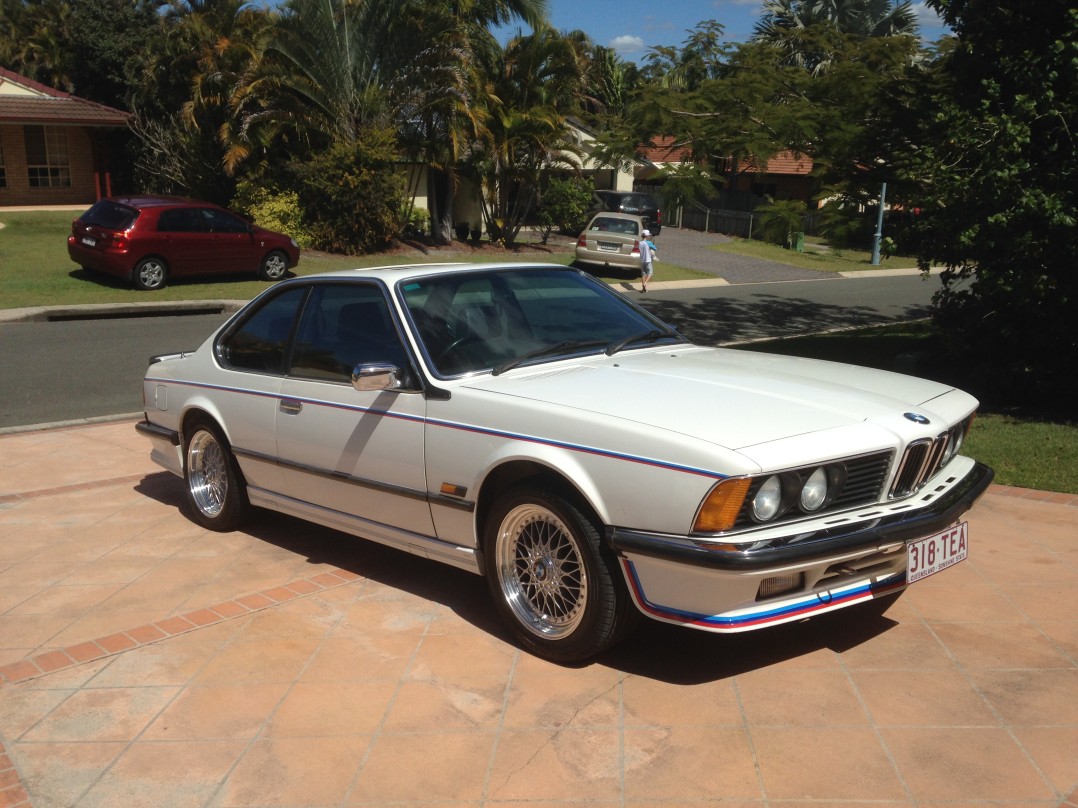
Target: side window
343, 326
179, 220
261, 341
219, 221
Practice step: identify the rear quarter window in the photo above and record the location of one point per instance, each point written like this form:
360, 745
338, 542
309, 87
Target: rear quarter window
259, 343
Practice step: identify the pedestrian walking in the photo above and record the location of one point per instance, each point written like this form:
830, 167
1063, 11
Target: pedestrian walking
648, 255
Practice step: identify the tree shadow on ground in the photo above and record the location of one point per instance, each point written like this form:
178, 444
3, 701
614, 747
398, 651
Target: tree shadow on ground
718, 321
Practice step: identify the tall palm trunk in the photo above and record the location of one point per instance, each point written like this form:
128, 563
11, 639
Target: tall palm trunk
441, 183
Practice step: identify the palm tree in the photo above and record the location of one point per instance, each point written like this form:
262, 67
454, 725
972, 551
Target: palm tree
538, 85
43, 51
200, 63
342, 65
801, 28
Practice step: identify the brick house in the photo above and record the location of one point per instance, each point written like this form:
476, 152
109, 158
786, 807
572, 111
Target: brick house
786, 175
53, 146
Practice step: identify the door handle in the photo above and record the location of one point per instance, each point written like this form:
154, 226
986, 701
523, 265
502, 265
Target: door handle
291, 406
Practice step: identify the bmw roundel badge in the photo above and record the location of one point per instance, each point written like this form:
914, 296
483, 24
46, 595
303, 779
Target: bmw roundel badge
916, 417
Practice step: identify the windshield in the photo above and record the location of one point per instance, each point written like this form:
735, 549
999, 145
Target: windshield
471, 322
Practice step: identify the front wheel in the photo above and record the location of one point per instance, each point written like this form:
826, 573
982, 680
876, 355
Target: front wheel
216, 490
150, 274
552, 580
274, 266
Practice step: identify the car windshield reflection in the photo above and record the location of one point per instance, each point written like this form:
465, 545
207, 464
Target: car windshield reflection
476, 322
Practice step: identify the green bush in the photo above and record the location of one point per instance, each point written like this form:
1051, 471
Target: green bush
418, 222
274, 210
779, 220
846, 226
564, 205
352, 194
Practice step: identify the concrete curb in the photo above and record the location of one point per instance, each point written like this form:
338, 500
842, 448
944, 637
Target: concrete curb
94, 311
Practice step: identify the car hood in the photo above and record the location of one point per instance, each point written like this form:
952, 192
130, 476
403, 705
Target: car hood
730, 398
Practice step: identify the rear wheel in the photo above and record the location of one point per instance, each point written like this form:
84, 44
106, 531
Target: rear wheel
553, 582
150, 274
274, 266
216, 490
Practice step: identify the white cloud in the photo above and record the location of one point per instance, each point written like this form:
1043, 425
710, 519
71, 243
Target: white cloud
929, 23
626, 44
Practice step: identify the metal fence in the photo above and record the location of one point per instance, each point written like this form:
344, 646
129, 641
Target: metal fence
715, 220
708, 218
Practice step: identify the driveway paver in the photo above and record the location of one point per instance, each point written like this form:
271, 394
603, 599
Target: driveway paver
147, 662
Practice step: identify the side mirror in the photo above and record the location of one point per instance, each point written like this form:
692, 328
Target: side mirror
377, 376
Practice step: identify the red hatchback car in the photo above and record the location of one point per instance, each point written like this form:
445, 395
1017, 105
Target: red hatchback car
148, 239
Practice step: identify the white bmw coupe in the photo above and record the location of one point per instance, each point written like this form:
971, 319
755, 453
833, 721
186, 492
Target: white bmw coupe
531, 425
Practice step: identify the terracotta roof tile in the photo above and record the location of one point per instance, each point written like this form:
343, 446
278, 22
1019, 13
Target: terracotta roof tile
787, 162
666, 150
30, 109
47, 105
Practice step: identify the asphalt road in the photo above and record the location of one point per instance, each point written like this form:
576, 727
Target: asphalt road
53, 372
730, 314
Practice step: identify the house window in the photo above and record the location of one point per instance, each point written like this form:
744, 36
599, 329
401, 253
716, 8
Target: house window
47, 162
3, 171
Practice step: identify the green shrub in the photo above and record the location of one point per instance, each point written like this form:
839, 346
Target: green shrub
779, 220
274, 210
352, 194
418, 222
845, 226
564, 205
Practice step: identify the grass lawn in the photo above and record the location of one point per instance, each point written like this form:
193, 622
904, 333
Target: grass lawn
816, 256
1025, 451
35, 269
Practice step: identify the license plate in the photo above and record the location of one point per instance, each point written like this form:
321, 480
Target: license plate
928, 556
606, 246
89, 242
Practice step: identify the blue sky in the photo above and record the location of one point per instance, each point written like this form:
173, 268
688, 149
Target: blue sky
632, 26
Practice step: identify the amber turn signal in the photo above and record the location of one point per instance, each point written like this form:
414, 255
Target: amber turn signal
720, 507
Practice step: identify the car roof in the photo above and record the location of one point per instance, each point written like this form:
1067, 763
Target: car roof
616, 214
393, 274
623, 193
155, 201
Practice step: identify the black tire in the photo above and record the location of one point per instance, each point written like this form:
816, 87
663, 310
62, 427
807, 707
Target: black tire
150, 274
554, 583
216, 490
274, 266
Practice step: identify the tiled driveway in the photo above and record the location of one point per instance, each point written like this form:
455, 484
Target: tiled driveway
146, 662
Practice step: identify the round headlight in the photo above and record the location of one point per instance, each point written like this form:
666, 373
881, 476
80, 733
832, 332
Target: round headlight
768, 499
814, 491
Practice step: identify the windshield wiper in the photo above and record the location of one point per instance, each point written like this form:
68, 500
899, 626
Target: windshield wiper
643, 336
547, 350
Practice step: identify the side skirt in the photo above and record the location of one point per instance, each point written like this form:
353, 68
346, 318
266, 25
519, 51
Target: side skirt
464, 558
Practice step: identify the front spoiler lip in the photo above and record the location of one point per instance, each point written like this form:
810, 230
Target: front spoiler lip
900, 527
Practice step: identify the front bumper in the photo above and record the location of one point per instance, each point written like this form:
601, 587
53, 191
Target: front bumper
714, 586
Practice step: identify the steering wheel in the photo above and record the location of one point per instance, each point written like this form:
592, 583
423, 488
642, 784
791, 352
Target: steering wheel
464, 339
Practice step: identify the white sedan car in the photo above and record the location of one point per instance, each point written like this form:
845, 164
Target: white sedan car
529, 424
